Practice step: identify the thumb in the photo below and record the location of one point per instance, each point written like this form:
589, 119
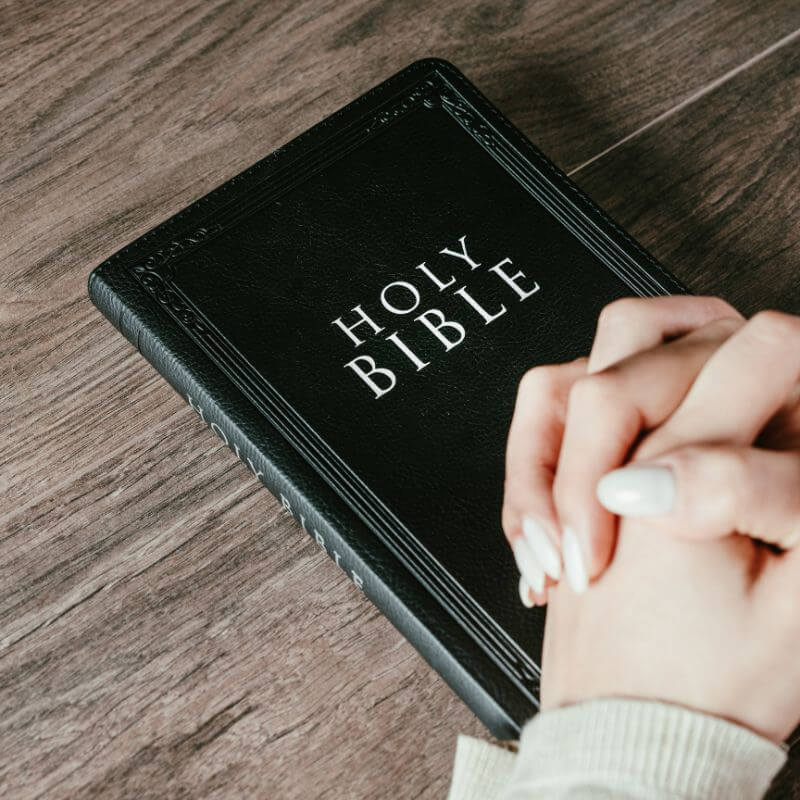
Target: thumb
708, 491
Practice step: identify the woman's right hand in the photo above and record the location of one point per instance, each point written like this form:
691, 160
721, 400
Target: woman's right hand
574, 422
710, 625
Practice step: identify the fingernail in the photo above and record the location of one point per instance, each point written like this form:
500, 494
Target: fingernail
573, 561
542, 547
638, 490
527, 565
524, 593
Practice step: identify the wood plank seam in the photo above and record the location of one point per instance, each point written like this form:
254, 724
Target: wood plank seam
694, 97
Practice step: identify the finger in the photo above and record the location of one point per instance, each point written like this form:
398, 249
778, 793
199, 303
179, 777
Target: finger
534, 442
633, 324
707, 491
606, 413
745, 382
529, 597
537, 427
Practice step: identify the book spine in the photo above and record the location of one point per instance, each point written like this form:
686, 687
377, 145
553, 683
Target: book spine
479, 683
282, 490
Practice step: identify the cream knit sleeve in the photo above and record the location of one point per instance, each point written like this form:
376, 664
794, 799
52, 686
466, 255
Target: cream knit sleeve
614, 748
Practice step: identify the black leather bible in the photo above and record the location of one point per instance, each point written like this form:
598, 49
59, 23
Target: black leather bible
352, 315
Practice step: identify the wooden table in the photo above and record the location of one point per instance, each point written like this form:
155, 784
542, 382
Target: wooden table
165, 630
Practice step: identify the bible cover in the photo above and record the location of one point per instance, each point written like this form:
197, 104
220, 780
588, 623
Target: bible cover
352, 316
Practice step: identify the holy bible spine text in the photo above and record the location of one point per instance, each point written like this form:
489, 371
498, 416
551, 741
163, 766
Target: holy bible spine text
369, 564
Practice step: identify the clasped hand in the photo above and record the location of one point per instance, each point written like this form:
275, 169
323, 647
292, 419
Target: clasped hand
661, 477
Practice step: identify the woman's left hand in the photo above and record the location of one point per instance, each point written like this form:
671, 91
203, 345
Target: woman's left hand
581, 419
707, 478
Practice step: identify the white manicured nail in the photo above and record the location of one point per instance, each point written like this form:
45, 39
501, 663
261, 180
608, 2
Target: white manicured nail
573, 561
638, 490
542, 547
524, 593
527, 565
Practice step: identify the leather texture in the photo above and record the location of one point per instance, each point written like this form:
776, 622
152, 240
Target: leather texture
444, 644
370, 295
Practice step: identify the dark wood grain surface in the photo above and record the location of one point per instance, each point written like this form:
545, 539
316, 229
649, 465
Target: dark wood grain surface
714, 190
165, 631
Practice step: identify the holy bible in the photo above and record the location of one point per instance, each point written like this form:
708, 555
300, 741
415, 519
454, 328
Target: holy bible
352, 315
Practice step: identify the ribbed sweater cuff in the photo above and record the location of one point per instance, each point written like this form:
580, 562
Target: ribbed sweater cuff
642, 749
480, 771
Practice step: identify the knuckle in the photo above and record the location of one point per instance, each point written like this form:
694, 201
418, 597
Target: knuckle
728, 465
717, 307
526, 491
509, 520
723, 326
732, 482
681, 460
774, 327
620, 312
598, 390
543, 382
735, 467
734, 474
718, 474
515, 487
580, 364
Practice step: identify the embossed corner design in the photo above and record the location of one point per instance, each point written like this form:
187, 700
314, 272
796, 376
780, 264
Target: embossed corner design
425, 93
469, 119
434, 92
156, 273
